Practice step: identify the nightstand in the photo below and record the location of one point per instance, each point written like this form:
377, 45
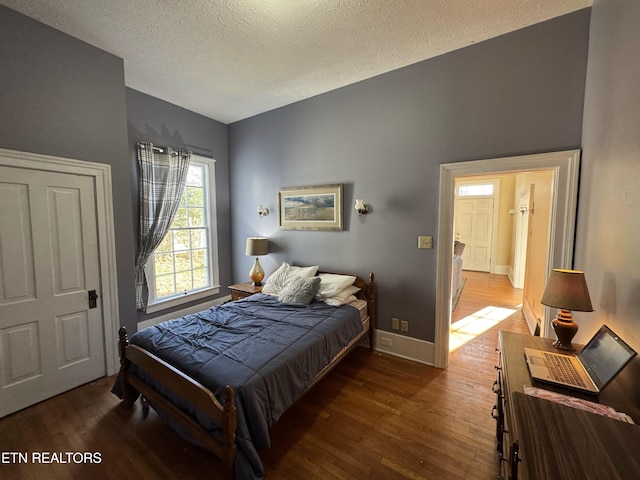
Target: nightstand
242, 290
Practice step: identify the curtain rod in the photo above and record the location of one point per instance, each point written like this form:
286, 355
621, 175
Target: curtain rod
160, 149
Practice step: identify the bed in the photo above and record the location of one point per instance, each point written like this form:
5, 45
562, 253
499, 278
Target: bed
223, 376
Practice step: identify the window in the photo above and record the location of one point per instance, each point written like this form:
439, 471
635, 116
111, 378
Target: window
475, 190
184, 266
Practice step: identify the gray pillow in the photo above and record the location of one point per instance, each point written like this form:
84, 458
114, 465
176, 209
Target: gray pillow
300, 290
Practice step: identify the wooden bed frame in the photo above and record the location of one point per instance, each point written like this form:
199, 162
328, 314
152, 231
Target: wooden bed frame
224, 414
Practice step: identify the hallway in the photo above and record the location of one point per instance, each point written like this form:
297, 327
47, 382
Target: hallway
487, 299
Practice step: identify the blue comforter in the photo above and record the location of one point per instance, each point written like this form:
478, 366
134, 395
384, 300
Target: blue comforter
269, 352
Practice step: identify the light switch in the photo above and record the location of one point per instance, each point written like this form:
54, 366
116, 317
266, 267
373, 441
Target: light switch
425, 241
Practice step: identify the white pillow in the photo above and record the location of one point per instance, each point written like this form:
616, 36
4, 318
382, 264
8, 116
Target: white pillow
347, 292
303, 271
341, 297
336, 303
332, 284
276, 280
283, 275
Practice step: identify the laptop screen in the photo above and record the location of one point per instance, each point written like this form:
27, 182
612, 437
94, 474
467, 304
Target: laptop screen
605, 355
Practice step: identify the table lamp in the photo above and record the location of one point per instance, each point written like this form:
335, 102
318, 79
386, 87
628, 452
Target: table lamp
566, 290
255, 248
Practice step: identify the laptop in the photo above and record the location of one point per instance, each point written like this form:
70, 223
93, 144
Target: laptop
599, 361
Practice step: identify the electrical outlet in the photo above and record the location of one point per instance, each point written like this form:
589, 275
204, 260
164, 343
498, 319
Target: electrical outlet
395, 324
404, 326
425, 241
386, 342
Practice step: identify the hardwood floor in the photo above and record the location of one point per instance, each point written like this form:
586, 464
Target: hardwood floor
486, 299
482, 289
374, 417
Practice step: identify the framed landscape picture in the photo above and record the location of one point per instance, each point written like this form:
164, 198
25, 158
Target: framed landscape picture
311, 208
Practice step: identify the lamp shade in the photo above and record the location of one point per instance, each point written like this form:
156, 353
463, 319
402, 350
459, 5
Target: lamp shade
257, 247
567, 290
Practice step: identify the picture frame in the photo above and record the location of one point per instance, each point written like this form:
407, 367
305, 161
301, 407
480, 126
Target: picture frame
311, 208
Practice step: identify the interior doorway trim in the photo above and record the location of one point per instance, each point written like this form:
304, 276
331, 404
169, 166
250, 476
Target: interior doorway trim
101, 174
566, 166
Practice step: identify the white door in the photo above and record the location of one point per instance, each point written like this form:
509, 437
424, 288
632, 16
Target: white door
474, 227
50, 339
522, 236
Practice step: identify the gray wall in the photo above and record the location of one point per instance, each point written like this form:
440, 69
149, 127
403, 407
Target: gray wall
384, 139
60, 96
161, 123
608, 219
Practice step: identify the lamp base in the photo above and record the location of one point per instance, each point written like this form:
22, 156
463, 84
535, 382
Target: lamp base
256, 274
565, 329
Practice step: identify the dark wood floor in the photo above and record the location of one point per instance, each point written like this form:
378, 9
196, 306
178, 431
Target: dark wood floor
374, 417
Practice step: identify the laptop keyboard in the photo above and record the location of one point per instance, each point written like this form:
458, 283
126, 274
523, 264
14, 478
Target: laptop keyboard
563, 370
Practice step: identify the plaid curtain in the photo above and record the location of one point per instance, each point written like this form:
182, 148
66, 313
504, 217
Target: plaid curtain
161, 181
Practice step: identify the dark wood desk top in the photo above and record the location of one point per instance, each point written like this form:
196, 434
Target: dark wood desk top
562, 443
557, 442
623, 393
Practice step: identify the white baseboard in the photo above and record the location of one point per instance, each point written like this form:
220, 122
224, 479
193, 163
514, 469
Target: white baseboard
530, 316
181, 313
501, 269
405, 347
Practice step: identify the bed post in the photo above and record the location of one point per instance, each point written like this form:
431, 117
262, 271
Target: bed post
373, 302
229, 433
123, 343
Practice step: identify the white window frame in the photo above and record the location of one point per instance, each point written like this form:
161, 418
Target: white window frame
471, 184
154, 304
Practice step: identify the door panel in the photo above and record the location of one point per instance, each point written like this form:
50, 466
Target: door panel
22, 360
474, 227
17, 281
65, 231
73, 338
50, 341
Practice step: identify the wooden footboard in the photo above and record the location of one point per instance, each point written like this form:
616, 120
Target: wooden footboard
202, 398
188, 389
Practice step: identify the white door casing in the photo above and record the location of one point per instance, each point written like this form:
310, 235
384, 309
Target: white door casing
53, 249
565, 166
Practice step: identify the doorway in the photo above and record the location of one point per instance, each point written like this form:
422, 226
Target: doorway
564, 166
58, 308
476, 221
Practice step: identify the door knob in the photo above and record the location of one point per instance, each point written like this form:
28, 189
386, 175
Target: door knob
93, 298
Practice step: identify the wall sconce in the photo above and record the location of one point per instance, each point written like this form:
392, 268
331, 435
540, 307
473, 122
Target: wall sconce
523, 209
263, 211
361, 208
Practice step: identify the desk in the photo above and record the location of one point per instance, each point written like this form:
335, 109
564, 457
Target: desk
538, 440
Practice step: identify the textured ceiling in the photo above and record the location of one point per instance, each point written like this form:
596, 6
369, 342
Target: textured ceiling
232, 59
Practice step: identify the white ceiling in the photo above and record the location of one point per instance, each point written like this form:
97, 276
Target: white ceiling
232, 59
